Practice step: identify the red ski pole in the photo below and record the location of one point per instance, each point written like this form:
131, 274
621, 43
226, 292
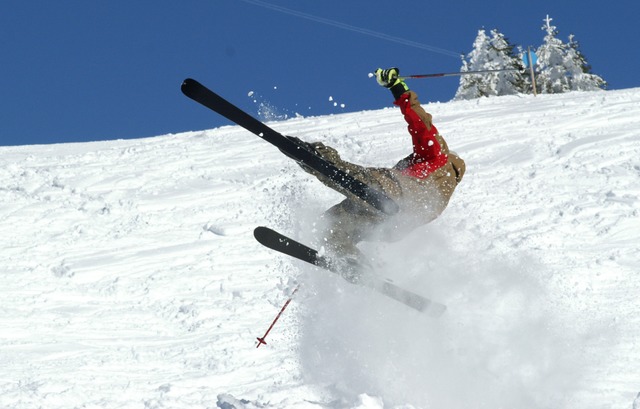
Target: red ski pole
261, 340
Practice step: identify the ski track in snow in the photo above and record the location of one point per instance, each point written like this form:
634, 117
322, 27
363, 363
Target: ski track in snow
130, 277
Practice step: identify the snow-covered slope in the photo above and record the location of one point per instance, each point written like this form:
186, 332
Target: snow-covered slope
130, 277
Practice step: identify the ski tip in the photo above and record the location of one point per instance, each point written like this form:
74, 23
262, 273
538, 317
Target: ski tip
260, 231
387, 205
436, 310
189, 85
186, 83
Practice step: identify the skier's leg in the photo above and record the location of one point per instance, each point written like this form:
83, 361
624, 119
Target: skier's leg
341, 228
378, 178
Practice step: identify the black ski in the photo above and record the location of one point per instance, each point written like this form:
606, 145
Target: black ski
289, 146
278, 242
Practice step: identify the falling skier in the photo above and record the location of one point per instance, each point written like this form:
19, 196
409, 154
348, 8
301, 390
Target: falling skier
381, 203
421, 184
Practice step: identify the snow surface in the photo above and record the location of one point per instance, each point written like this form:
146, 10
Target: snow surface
131, 279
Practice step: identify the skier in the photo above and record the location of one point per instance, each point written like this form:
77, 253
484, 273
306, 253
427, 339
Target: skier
421, 183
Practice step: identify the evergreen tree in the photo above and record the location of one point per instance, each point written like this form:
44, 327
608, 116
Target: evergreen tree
504, 57
580, 71
552, 77
490, 53
562, 67
472, 85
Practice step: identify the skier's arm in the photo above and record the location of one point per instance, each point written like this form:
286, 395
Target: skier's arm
423, 133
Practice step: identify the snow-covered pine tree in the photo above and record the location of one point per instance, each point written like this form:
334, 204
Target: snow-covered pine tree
552, 75
490, 54
472, 85
580, 74
562, 67
507, 82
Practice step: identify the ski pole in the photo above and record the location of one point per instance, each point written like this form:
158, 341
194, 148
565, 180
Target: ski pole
452, 74
261, 340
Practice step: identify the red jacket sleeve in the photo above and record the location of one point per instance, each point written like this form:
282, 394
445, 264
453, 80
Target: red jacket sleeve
427, 153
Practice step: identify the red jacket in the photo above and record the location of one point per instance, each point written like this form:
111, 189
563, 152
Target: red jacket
427, 154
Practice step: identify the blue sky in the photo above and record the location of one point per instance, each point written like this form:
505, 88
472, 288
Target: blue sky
74, 71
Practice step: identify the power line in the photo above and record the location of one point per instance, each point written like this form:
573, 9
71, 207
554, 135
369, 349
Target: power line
355, 29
